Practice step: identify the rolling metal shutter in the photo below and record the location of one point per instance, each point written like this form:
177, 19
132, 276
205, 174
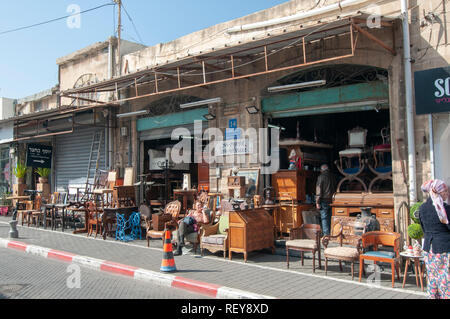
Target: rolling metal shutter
72, 156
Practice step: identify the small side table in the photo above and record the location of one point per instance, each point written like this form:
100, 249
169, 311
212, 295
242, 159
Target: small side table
417, 268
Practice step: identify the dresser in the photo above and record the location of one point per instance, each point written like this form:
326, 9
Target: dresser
347, 206
250, 230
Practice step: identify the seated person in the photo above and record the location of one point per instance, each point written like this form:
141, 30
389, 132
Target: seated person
189, 224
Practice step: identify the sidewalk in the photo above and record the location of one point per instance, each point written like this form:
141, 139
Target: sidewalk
264, 274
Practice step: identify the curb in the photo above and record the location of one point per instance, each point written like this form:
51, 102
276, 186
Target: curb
160, 279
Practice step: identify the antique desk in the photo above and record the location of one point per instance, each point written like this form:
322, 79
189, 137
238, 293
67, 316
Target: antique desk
250, 230
346, 206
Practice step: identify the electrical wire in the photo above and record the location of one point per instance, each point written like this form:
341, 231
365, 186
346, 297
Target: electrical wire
134, 26
53, 20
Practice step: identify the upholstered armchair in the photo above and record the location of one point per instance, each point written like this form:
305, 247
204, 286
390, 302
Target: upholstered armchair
158, 223
349, 253
215, 237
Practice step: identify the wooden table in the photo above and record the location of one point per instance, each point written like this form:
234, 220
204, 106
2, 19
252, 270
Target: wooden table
417, 268
186, 194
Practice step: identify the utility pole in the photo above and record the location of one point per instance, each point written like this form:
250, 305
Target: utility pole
119, 34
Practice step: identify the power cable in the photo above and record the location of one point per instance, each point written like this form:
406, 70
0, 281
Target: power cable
134, 26
53, 20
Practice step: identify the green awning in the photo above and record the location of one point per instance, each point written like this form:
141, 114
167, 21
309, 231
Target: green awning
173, 119
347, 98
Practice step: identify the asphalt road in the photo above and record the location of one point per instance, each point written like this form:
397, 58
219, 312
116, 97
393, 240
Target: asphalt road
24, 276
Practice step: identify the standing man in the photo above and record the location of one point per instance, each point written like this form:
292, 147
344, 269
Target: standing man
325, 189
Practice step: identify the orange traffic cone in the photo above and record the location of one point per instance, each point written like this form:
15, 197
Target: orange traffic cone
168, 262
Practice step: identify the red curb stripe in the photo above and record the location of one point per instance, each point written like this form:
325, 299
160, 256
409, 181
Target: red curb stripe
196, 286
17, 245
60, 255
118, 268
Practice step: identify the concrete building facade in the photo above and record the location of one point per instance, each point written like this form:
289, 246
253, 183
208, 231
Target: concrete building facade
356, 44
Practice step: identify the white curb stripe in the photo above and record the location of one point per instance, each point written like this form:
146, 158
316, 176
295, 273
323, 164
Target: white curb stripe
231, 293
163, 280
38, 251
88, 262
4, 243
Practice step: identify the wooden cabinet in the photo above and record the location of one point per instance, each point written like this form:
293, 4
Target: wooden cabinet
203, 176
236, 183
288, 216
297, 183
250, 230
292, 182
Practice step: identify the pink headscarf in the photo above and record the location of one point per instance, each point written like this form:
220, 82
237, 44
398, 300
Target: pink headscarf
435, 187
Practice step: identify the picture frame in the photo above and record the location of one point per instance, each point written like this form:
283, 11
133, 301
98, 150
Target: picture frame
250, 174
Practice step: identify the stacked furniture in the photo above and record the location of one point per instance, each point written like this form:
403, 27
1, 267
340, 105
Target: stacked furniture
250, 230
290, 188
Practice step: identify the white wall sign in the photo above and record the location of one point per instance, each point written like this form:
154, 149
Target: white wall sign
233, 147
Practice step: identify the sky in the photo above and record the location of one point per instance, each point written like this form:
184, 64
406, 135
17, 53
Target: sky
28, 57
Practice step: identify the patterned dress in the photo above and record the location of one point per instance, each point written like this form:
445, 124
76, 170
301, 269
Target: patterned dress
438, 275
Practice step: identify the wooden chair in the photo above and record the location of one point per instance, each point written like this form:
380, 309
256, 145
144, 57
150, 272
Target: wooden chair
305, 238
375, 239
37, 214
215, 237
59, 205
356, 144
155, 228
94, 219
125, 195
23, 213
352, 233
107, 191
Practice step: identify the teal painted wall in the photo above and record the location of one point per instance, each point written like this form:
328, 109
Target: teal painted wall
337, 95
174, 119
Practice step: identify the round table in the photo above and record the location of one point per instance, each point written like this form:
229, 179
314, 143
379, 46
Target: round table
417, 268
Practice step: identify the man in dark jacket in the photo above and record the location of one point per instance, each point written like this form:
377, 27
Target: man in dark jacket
325, 189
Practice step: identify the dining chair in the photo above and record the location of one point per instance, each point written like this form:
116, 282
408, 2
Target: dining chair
375, 239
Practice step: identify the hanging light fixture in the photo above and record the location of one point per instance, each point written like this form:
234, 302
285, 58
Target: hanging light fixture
296, 86
200, 103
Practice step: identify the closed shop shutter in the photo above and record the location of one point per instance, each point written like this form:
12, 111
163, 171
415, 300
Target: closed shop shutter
72, 156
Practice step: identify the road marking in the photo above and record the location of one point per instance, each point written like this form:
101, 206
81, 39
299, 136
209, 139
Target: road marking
407, 291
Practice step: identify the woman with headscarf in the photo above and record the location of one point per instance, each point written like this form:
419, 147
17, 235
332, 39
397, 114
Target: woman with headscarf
434, 216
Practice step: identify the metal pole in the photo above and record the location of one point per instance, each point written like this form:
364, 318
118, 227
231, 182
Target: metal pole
409, 104
430, 125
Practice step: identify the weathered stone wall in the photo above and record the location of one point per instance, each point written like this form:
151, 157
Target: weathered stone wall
429, 45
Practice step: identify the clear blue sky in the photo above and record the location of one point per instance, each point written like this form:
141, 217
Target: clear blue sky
28, 57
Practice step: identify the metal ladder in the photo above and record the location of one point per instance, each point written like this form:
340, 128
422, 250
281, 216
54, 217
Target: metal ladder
95, 148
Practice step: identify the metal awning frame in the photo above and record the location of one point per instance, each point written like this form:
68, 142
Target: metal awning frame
229, 57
